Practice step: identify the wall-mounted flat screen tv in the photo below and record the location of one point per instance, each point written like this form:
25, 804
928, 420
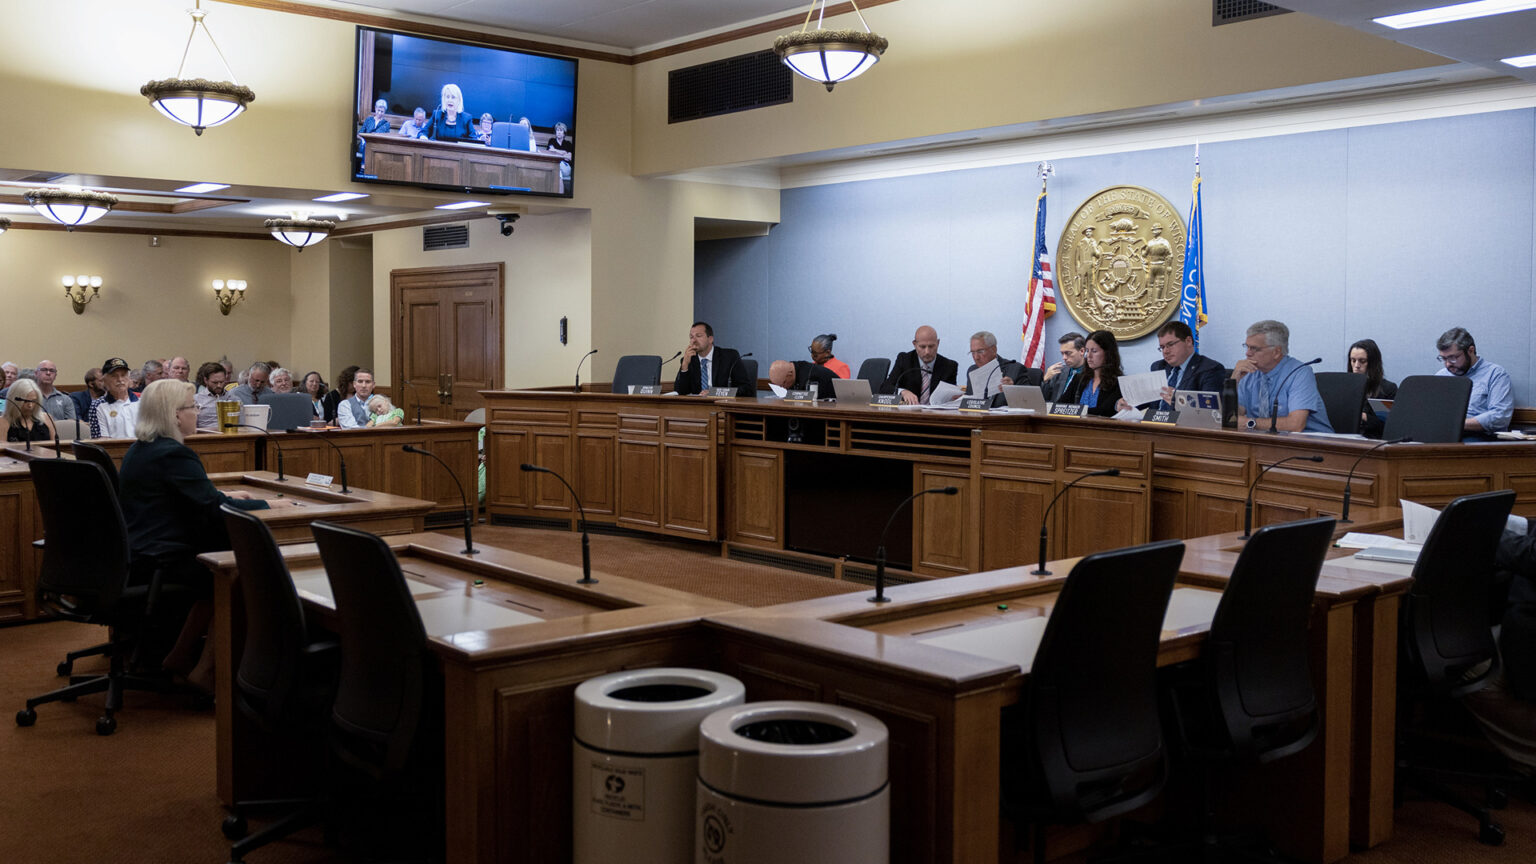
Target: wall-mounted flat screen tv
441, 114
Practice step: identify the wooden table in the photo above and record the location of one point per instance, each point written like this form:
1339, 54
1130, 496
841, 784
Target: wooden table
374, 512
449, 163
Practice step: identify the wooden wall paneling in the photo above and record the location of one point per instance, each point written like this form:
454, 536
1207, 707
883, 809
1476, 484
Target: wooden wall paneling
1094, 518
639, 482
1011, 507
1169, 506
595, 458
19, 526
1522, 479
912, 754
507, 486
1438, 491
943, 541
1214, 514
552, 450
688, 476
755, 509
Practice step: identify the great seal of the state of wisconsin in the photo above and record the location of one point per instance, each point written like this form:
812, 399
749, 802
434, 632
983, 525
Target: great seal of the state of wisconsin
1120, 262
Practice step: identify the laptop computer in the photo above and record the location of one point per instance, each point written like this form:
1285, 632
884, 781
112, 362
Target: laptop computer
852, 391
1025, 396
1198, 409
289, 411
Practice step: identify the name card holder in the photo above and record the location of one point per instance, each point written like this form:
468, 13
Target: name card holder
647, 390
798, 396
318, 479
885, 400
1160, 416
721, 392
978, 404
1063, 409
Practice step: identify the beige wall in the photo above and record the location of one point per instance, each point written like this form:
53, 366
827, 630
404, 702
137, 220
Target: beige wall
154, 303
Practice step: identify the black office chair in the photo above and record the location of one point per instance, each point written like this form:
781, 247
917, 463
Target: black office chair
750, 366
1447, 648
284, 681
1249, 700
1430, 409
1032, 376
874, 370
86, 577
86, 451
1343, 399
386, 719
636, 370
1086, 743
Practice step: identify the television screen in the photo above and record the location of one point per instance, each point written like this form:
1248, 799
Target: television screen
452, 115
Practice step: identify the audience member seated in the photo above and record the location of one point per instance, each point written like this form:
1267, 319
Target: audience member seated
250, 391
12, 372
984, 351
915, 373
342, 392
1493, 402
281, 380
93, 391
483, 133
179, 368
314, 386
136, 383
152, 370
1365, 359
1269, 378
1060, 375
211, 379
563, 147
721, 367
1098, 386
56, 402
112, 415
382, 412
24, 418
352, 413
172, 511
821, 355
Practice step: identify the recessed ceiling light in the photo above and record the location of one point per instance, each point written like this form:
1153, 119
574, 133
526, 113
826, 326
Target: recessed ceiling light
200, 188
1455, 12
463, 205
342, 196
1525, 62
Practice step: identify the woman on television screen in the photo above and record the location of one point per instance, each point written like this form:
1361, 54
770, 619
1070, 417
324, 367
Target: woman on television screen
449, 122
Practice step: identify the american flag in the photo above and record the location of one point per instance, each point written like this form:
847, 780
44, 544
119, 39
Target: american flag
1040, 303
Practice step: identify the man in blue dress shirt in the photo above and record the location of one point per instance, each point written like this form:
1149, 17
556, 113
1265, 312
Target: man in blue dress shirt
1269, 378
1492, 402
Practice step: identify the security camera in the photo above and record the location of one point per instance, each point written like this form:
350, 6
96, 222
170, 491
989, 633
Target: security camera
506, 220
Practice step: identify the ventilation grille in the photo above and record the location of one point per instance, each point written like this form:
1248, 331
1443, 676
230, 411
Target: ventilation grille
436, 237
727, 86
773, 558
1233, 11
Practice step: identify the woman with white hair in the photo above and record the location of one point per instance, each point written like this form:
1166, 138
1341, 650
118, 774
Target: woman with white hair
449, 122
24, 418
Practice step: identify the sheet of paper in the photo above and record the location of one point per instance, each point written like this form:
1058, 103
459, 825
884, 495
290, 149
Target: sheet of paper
1517, 524
1132, 414
943, 394
1143, 388
1357, 540
1418, 520
986, 379
777, 390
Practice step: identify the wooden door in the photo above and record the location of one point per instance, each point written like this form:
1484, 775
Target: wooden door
446, 338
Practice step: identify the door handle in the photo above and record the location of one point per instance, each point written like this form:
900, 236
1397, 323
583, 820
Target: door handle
448, 391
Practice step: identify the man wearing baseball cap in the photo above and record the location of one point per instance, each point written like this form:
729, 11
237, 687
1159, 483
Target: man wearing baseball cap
113, 415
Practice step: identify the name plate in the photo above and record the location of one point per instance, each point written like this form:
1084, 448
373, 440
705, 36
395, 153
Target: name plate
648, 389
885, 399
318, 479
1157, 415
721, 392
797, 396
1062, 409
975, 403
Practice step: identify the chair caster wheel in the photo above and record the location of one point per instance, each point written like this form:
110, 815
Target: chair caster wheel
106, 725
234, 827
1491, 834
26, 717
65, 667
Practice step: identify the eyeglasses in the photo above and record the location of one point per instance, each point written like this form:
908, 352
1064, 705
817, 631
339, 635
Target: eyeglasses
187, 408
1448, 359
1168, 346
980, 351
1250, 349
24, 401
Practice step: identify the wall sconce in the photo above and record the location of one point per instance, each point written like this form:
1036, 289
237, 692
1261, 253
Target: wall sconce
75, 288
228, 293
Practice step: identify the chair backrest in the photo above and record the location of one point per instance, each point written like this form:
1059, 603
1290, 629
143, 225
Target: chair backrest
750, 366
1445, 629
270, 676
1031, 376
96, 453
476, 416
85, 553
1256, 652
636, 369
1343, 399
1430, 409
1091, 695
874, 370
380, 692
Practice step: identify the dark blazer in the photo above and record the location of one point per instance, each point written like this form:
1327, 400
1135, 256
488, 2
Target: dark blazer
806, 372
1053, 388
1012, 370
169, 505
723, 369
907, 374
1109, 394
82, 400
1200, 373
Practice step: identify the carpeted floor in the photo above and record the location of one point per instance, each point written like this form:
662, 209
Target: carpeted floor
145, 794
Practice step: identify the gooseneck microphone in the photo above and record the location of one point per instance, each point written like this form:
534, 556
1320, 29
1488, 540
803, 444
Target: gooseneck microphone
1344, 517
880, 550
407, 383
1248, 503
896, 384
730, 371
58, 446
275, 445
1046, 519
586, 544
578, 369
469, 540
340, 459
1274, 408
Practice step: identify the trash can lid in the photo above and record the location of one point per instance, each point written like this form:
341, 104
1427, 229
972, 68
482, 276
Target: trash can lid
651, 711
793, 752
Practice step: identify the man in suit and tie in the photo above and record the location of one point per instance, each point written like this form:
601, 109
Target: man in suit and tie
1008, 372
705, 365
915, 373
1185, 369
1060, 375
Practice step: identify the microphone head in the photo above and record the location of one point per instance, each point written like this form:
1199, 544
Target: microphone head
746, 355
951, 490
1115, 472
527, 467
408, 448
1406, 439
1312, 361
1314, 458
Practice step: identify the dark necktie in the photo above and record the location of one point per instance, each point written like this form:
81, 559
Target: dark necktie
704, 374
